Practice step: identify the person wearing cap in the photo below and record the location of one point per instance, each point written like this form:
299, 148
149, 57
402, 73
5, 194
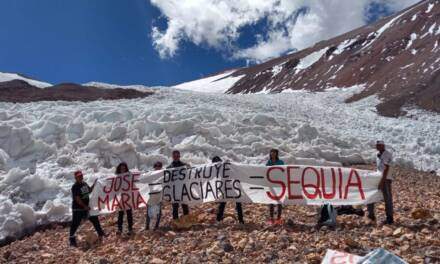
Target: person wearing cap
80, 207
177, 163
222, 205
384, 159
154, 210
274, 160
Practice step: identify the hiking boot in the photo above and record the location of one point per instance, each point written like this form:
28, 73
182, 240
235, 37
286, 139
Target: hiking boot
72, 242
388, 222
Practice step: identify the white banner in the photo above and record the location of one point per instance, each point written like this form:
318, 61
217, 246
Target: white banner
287, 184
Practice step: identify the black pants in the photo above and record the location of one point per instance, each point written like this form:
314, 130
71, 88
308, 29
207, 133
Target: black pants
221, 211
388, 199
159, 215
185, 209
78, 216
272, 209
129, 220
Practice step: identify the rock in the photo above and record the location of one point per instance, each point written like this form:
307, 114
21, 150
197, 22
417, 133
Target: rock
226, 245
387, 231
420, 213
404, 248
46, 255
398, 231
242, 243
157, 261
271, 238
292, 248
171, 234
103, 261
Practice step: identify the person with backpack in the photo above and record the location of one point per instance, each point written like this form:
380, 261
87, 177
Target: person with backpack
384, 158
80, 207
121, 170
154, 211
222, 205
274, 160
177, 163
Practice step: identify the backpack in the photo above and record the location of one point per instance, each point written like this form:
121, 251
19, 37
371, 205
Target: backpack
328, 215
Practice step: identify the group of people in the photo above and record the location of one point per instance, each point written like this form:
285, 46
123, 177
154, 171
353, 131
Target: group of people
81, 190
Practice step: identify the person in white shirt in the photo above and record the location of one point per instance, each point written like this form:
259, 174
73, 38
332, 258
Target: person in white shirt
384, 159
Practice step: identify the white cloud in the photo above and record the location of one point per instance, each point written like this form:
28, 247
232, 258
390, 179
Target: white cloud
217, 23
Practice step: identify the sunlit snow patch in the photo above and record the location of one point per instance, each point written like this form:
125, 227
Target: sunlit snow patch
214, 84
310, 59
6, 77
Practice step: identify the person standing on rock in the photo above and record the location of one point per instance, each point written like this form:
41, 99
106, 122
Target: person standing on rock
177, 163
154, 210
80, 207
222, 205
384, 159
121, 170
274, 160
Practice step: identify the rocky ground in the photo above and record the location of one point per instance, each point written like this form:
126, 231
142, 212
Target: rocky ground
414, 237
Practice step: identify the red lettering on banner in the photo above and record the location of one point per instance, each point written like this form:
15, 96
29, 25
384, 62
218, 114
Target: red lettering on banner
127, 181
332, 185
357, 183
340, 183
125, 197
117, 183
133, 180
283, 186
106, 202
140, 200
115, 204
111, 185
317, 192
289, 182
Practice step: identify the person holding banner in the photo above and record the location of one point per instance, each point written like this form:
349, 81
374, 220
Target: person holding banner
80, 208
154, 210
121, 170
222, 205
177, 163
384, 159
274, 160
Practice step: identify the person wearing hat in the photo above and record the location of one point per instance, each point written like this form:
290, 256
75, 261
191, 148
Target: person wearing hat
80, 207
222, 205
384, 159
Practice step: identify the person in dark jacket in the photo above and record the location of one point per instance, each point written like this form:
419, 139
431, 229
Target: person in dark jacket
274, 160
176, 163
121, 170
80, 208
222, 205
154, 209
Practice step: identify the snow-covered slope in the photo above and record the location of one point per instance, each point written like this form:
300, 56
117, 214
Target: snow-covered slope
398, 58
42, 143
6, 77
219, 83
102, 85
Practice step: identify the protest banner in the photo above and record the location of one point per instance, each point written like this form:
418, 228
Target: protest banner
287, 184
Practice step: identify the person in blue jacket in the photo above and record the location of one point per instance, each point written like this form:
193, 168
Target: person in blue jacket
274, 160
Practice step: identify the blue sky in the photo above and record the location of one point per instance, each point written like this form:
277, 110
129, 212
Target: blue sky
111, 41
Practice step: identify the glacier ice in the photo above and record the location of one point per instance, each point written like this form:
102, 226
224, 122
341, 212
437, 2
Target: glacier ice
41, 144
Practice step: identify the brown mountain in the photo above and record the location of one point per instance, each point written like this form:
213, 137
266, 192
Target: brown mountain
396, 58
19, 91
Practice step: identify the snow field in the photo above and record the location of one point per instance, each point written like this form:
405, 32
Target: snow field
41, 144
